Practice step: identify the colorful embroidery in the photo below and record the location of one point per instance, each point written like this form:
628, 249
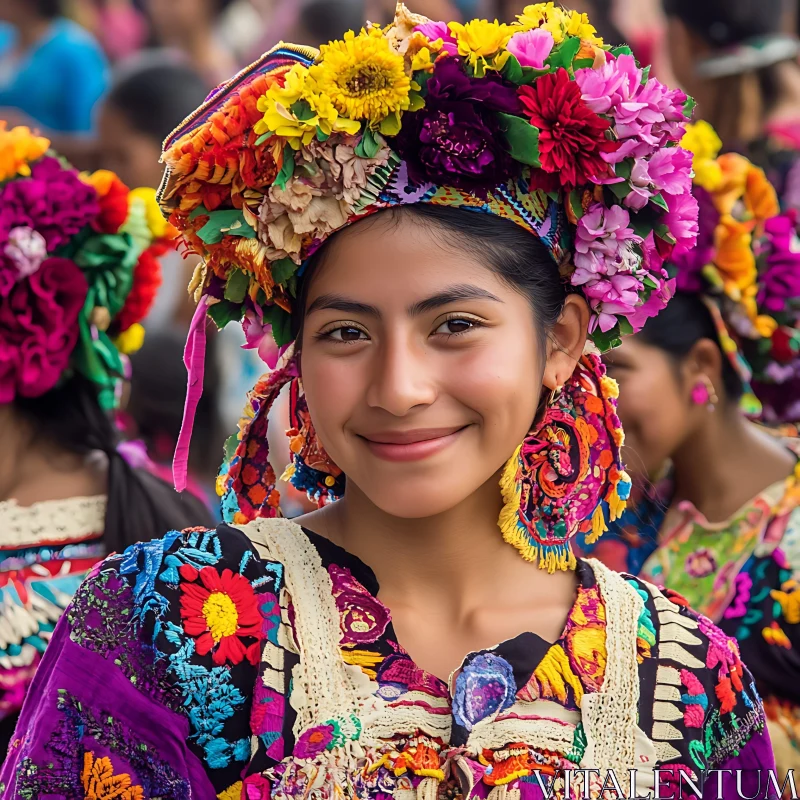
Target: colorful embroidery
100, 782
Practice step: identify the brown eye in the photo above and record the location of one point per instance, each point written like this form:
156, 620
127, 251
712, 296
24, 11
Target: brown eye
348, 333
453, 327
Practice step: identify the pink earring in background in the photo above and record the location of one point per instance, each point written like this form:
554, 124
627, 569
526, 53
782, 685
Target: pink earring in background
703, 393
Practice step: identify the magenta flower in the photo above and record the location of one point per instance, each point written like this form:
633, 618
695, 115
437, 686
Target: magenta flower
670, 170
531, 48
690, 261
313, 741
259, 337
654, 304
681, 220
641, 184
780, 283
603, 244
646, 116
612, 296
39, 328
439, 30
53, 201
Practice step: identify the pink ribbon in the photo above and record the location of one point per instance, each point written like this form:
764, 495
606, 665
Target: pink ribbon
194, 358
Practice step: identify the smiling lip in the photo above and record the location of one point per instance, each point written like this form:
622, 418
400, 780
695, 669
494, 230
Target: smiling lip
411, 445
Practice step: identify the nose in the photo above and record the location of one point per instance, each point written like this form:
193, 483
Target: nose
403, 376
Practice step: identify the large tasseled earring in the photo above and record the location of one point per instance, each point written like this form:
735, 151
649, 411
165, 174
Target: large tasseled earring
567, 476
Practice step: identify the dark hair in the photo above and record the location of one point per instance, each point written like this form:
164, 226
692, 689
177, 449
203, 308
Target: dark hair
325, 20
140, 506
517, 256
684, 322
157, 94
48, 8
722, 23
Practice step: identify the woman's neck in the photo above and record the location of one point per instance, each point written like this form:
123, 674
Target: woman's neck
787, 106
725, 463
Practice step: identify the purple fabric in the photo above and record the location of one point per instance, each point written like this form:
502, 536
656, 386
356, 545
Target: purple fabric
97, 683
752, 763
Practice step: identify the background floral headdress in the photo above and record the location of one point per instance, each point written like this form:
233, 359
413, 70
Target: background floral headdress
538, 122
747, 267
78, 269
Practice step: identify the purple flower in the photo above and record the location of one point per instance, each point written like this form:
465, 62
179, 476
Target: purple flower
259, 337
456, 139
484, 687
53, 201
363, 618
646, 116
313, 741
39, 328
780, 283
531, 48
681, 219
439, 30
701, 563
603, 244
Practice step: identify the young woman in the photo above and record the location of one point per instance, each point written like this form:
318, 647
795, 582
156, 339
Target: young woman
399, 641
721, 526
738, 58
78, 267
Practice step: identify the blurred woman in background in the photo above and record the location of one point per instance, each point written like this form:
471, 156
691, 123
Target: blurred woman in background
737, 59
721, 526
78, 270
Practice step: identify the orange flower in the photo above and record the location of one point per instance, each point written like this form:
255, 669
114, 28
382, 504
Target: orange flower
735, 171
100, 782
113, 195
19, 147
219, 612
760, 197
735, 260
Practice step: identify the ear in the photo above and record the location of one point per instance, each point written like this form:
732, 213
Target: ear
566, 341
704, 359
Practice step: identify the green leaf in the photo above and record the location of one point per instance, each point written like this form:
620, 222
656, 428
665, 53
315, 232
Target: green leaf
291, 286
421, 78
263, 138
575, 203
322, 136
625, 327
391, 125
662, 231
237, 286
224, 312
416, 101
283, 270
302, 110
201, 209
641, 227
645, 75
608, 340
226, 222
231, 446
688, 107
659, 201
529, 75
649, 282
620, 190
624, 168
582, 63
281, 324
512, 71
287, 170
522, 138
623, 49
565, 53
369, 145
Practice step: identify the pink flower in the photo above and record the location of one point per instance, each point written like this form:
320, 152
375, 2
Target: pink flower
681, 220
603, 244
26, 249
609, 297
670, 170
531, 48
641, 185
646, 116
439, 30
654, 304
259, 337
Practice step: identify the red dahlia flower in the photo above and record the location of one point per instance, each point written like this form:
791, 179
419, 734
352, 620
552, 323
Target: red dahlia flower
219, 612
146, 282
571, 136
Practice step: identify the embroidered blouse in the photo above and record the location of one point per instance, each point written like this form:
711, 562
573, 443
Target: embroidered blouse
46, 550
742, 574
258, 662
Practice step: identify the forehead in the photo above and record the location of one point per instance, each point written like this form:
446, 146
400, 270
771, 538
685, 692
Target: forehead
391, 259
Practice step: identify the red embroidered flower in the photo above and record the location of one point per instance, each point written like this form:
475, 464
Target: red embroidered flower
146, 282
220, 611
571, 136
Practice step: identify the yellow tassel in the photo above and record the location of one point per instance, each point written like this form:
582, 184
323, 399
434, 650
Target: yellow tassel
599, 526
288, 473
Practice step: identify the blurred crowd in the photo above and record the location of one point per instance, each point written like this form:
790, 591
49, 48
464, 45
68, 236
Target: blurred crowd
108, 80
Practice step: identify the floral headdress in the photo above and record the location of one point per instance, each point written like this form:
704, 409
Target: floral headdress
747, 267
78, 269
538, 122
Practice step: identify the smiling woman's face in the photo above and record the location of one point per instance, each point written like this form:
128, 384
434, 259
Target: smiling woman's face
421, 366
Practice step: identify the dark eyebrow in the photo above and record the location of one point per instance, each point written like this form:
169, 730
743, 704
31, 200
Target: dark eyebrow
337, 302
452, 294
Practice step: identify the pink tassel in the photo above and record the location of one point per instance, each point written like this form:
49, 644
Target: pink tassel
194, 358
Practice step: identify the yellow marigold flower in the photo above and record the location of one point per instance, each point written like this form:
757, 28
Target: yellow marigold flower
131, 340
158, 226
482, 42
579, 25
363, 77
536, 15
702, 141
298, 131
18, 147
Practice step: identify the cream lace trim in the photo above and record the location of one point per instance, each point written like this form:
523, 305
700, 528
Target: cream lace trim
54, 521
326, 688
